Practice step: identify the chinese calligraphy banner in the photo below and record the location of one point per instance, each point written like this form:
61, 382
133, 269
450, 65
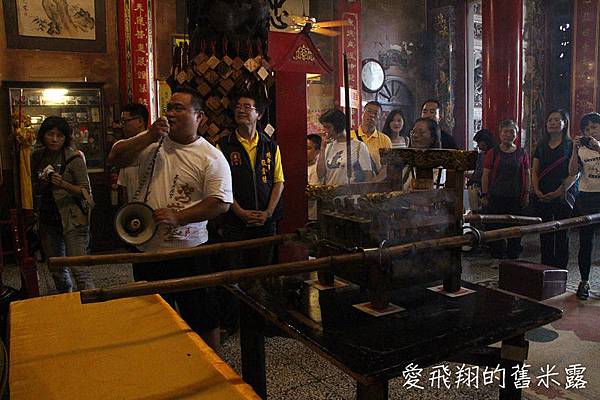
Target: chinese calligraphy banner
349, 43
136, 43
586, 40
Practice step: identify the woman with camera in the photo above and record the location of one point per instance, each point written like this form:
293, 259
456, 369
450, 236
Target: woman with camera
61, 189
585, 158
553, 186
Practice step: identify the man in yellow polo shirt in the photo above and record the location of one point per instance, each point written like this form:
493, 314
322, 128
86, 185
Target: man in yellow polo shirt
373, 138
257, 176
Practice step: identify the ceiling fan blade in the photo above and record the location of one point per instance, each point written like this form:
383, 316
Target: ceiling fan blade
301, 19
332, 24
326, 32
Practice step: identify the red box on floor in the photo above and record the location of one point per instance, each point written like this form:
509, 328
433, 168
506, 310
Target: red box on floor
537, 281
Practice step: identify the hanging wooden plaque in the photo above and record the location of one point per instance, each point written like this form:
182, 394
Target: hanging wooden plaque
251, 64
213, 61
212, 77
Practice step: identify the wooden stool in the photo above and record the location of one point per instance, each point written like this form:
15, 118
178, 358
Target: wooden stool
537, 281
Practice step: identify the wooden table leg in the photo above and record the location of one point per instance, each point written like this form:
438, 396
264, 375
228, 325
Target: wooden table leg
513, 352
375, 391
252, 343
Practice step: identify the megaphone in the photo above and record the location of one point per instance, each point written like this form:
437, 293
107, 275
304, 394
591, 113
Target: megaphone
134, 223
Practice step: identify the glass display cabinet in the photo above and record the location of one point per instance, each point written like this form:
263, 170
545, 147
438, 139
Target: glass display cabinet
81, 104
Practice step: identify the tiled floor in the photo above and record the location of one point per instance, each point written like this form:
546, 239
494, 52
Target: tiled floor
294, 372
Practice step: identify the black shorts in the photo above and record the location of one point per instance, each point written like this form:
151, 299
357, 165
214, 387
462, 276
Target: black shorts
198, 307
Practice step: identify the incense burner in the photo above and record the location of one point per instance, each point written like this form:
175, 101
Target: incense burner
370, 217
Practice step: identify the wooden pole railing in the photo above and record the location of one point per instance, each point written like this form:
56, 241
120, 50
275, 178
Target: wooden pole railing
331, 262
122, 258
501, 219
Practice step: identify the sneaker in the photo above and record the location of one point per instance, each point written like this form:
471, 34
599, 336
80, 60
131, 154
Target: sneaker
583, 291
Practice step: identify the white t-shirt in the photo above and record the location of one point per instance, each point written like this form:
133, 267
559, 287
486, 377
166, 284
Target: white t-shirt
183, 176
402, 144
313, 179
335, 161
129, 177
590, 176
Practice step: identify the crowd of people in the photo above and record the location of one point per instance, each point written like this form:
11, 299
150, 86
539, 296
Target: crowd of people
187, 181
237, 185
562, 180
366, 142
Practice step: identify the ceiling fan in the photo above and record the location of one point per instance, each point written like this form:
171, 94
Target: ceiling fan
309, 24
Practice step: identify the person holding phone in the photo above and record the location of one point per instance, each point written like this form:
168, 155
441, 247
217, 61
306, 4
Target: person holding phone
585, 159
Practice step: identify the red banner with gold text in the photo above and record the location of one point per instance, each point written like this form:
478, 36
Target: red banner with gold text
136, 45
349, 43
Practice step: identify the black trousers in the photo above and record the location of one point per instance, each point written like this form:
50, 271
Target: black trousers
554, 246
587, 203
510, 248
254, 257
198, 307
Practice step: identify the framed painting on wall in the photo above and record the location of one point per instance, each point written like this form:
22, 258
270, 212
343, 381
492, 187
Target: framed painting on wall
56, 25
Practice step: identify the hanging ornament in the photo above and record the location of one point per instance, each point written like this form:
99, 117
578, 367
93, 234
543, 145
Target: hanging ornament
226, 59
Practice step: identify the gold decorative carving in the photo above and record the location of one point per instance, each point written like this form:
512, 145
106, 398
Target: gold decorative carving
303, 53
451, 159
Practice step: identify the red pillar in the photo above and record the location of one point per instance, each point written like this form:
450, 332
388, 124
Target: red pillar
502, 52
291, 136
586, 55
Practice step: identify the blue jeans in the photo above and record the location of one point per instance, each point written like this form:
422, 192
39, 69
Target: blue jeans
72, 243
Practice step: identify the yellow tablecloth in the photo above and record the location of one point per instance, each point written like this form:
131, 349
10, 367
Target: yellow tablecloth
123, 349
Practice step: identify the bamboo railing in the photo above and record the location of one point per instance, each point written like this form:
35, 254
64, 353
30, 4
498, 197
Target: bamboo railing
501, 219
122, 258
331, 262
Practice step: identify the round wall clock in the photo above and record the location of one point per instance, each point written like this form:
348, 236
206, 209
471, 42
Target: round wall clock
372, 75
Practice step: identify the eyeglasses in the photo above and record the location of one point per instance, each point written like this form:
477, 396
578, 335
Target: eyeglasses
176, 107
123, 121
179, 108
245, 107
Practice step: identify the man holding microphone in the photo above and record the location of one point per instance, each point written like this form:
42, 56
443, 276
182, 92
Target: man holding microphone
189, 183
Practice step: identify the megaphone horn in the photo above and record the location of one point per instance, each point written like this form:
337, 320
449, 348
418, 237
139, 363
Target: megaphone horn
134, 223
